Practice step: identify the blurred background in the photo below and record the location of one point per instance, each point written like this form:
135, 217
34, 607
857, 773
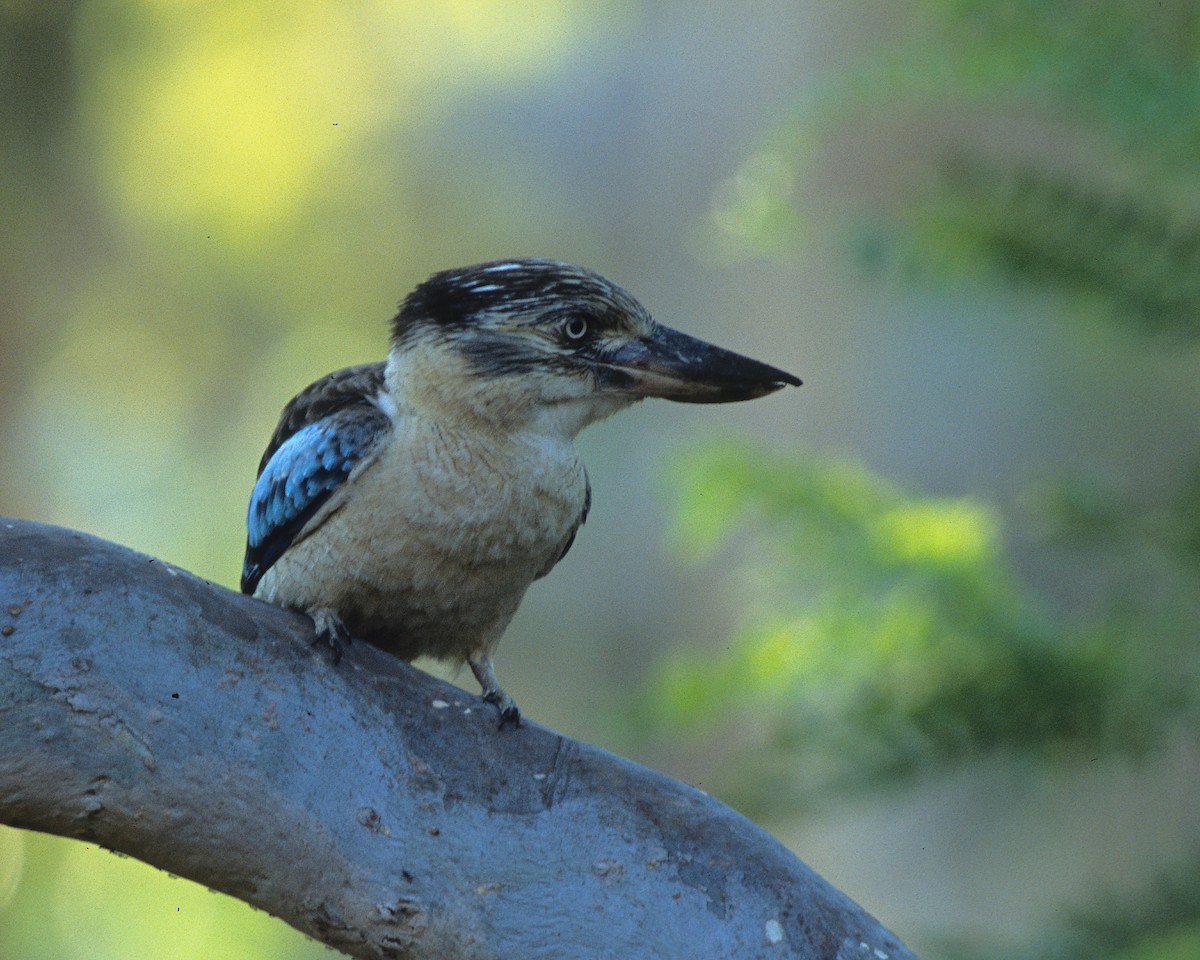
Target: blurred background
933, 619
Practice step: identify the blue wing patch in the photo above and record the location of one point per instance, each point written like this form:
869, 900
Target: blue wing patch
299, 477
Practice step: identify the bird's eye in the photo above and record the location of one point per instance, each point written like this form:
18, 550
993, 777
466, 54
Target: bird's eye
575, 328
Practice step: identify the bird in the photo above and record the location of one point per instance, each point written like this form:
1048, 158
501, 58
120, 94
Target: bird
411, 502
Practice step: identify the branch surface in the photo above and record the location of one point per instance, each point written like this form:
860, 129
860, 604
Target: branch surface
369, 805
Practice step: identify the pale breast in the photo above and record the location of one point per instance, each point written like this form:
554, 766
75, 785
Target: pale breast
430, 547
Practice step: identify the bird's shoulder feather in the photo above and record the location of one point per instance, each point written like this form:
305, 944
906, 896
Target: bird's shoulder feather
323, 434
348, 387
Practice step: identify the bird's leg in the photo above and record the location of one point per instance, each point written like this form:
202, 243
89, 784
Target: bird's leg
330, 629
485, 673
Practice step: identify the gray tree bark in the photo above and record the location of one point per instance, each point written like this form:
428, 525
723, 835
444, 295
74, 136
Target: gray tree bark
371, 806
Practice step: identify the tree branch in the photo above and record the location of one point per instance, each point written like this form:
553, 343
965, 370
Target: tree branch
371, 806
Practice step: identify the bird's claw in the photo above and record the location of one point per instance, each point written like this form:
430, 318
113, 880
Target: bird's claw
510, 714
485, 673
331, 629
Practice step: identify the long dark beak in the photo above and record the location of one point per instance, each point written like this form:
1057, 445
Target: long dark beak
672, 365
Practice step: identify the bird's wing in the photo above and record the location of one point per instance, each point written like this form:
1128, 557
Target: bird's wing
349, 387
324, 432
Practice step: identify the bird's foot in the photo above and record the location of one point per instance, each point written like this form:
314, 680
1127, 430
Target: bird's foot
485, 673
331, 629
510, 714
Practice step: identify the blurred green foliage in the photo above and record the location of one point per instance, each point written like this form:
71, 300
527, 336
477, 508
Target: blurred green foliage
1130, 252
1073, 165
81, 901
1161, 925
886, 635
885, 638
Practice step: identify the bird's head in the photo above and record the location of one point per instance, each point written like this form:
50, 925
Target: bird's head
542, 344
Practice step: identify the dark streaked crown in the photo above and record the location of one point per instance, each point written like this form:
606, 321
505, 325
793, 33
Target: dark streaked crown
528, 289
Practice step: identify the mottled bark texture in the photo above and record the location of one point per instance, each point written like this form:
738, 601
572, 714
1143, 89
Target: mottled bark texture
371, 806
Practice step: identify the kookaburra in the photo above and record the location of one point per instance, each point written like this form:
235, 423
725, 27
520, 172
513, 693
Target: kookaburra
410, 503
